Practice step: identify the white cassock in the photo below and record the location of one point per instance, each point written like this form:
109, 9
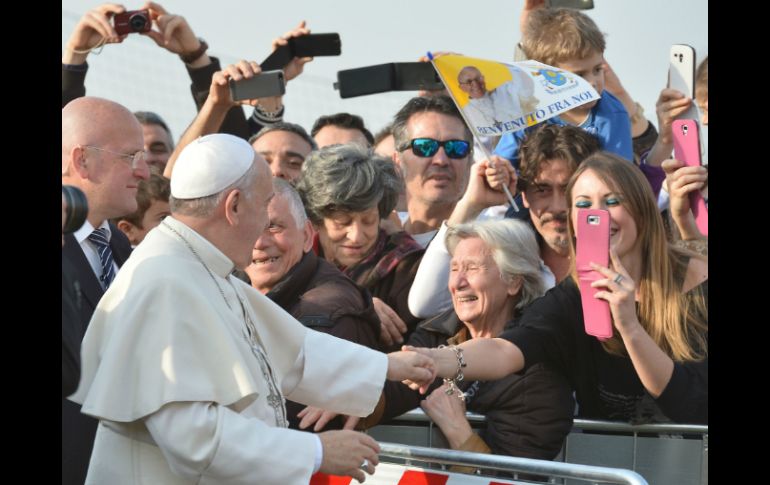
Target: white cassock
178, 384
508, 102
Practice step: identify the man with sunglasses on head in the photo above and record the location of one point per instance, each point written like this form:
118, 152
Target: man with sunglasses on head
102, 155
433, 152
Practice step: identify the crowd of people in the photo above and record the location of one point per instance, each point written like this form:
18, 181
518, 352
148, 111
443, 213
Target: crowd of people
239, 306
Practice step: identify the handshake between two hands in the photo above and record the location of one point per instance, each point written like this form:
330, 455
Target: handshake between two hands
414, 366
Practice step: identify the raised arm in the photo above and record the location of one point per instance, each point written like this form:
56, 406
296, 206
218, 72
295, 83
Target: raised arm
270, 110
213, 112
651, 363
176, 36
94, 29
429, 294
670, 104
486, 359
639, 123
682, 181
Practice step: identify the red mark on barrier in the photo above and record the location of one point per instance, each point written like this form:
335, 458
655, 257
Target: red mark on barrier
324, 479
413, 477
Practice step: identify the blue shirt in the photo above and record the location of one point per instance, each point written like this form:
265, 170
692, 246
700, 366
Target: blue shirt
608, 121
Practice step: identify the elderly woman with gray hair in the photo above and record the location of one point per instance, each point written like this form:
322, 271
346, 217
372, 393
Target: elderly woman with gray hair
347, 191
495, 273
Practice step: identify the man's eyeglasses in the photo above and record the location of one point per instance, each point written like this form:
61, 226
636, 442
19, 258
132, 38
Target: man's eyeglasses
133, 158
427, 147
477, 80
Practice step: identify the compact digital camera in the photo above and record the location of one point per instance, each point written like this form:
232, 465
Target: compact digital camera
132, 21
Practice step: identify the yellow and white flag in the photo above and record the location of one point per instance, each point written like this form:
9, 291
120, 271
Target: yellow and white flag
497, 97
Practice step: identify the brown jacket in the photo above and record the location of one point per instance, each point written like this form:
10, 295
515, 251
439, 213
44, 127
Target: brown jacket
322, 298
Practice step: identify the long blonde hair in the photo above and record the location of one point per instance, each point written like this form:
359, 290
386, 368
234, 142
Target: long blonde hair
677, 322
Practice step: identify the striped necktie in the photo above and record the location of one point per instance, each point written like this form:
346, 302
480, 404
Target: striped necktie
99, 238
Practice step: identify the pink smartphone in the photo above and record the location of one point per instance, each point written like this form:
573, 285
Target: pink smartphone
593, 245
687, 150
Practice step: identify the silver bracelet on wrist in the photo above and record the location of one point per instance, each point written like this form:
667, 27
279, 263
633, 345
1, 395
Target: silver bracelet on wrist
461, 364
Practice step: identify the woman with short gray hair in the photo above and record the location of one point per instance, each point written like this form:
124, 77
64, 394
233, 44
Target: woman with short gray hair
513, 248
347, 190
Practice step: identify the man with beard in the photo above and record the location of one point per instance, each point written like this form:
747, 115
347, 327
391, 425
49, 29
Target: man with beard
549, 157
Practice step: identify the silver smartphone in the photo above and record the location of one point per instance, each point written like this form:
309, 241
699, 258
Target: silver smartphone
263, 85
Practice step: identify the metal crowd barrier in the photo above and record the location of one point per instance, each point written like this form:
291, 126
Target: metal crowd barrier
658, 452
510, 464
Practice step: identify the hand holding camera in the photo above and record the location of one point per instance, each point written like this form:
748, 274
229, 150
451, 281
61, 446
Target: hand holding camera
174, 33
133, 21
92, 31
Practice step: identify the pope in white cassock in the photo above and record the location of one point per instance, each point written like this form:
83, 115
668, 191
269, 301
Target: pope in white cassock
509, 101
187, 368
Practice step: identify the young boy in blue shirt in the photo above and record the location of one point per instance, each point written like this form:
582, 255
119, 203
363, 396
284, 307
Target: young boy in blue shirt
570, 40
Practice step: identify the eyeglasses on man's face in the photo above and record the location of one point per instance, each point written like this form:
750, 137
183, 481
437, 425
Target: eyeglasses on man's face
427, 147
478, 80
134, 159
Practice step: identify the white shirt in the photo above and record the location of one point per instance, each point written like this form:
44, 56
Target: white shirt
424, 238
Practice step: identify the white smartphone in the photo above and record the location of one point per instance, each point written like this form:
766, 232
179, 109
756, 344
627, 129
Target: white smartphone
681, 76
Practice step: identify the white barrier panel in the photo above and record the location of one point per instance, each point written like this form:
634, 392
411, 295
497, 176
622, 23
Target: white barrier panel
390, 474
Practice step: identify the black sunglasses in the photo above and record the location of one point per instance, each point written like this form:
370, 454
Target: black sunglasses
427, 147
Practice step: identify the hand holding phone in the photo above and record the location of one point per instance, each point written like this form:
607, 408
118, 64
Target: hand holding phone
310, 45
593, 246
687, 150
263, 85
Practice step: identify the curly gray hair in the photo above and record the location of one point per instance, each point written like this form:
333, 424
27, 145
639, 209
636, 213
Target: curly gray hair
348, 178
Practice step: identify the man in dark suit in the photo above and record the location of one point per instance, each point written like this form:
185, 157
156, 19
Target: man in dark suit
102, 155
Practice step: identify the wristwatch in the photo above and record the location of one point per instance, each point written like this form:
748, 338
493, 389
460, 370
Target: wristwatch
193, 56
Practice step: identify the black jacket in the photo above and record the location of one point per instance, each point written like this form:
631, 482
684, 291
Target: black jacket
78, 430
528, 414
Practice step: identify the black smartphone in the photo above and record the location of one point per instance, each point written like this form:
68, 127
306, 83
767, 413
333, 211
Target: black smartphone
414, 76
381, 78
263, 85
576, 4
311, 45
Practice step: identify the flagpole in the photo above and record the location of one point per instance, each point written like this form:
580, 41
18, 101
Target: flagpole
508, 194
